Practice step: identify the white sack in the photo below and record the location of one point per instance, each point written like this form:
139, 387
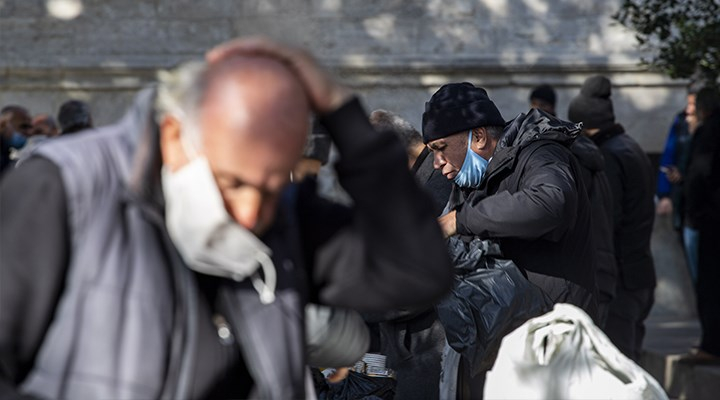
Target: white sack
563, 355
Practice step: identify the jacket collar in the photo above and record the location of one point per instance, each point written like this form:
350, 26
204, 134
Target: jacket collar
606, 134
420, 160
524, 130
143, 185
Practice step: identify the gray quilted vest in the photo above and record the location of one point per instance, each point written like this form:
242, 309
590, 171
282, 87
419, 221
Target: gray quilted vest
112, 330
126, 323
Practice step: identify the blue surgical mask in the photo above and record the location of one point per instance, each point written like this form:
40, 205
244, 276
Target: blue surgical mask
473, 168
17, 140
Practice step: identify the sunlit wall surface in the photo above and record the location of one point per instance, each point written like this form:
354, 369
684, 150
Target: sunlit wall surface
394, 52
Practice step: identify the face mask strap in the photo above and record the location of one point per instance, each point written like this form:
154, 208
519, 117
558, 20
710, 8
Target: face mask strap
265, 289
188, 147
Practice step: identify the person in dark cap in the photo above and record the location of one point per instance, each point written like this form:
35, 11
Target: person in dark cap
544, 98
420, 160
74, 116
601, 201
518, 184
631, 179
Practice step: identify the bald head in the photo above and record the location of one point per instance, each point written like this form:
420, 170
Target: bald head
259, 106
252, 117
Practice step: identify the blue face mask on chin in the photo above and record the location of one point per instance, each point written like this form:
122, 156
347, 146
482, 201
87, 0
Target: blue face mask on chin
17, 140
473, 168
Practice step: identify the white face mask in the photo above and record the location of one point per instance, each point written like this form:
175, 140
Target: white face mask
208, 239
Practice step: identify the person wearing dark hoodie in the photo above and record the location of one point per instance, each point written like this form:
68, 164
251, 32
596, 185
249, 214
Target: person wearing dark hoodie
593, 172
517, 184
631, 181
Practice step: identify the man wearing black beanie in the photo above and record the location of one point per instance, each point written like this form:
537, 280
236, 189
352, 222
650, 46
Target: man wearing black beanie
630, 175
524, 189
517, 184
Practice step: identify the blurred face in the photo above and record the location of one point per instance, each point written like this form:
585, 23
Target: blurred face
449, 154
41, 125
690, 107
21, 122
254, 125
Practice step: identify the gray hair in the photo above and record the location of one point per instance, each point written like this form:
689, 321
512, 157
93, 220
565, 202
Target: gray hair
383, 120
179, 94
495, 132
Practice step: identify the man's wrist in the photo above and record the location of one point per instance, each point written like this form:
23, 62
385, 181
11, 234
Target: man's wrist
339, 97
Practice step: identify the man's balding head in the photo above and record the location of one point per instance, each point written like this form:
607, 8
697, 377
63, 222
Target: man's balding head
249, 117
258, 105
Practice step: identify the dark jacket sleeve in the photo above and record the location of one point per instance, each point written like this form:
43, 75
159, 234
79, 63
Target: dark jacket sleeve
543, 207
387, 251
614, 173
33, 263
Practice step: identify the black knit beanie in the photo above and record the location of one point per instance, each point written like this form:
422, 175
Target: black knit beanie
593, 106
545, 93
458, 107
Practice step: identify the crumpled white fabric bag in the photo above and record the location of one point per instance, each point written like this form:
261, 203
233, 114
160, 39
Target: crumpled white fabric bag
563, 355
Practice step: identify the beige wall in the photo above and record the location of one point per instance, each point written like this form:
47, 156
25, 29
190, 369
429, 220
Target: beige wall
394, 52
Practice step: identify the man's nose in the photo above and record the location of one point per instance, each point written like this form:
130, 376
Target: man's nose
246, 208
438, 161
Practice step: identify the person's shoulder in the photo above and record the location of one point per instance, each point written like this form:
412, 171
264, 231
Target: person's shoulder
547, 149
36, 167
35, 175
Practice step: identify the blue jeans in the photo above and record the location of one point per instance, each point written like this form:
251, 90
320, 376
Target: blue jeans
690, 241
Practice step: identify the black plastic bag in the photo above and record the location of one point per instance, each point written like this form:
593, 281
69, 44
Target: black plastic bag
358, 386
491, 297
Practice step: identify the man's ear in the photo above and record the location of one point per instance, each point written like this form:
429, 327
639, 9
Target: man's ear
171, 148
480, 138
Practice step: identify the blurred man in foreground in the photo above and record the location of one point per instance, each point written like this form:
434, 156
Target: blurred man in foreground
171, 259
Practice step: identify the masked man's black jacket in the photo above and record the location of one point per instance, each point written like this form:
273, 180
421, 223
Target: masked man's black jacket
533, 201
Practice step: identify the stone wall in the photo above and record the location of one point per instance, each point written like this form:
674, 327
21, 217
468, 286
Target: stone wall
394, 52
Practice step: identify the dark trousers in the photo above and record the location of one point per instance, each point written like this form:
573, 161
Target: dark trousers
708, 287
625, 325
